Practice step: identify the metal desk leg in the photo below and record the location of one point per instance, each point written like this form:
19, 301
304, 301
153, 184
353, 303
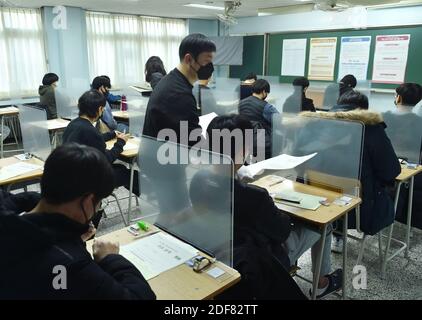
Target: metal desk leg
132, 170
345, 227
409, 217
2, 136
390, 232
317, 271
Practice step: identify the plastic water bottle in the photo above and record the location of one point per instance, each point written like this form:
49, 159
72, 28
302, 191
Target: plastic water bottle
123, 106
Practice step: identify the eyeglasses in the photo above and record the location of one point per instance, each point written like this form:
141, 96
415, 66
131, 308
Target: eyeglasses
200, 263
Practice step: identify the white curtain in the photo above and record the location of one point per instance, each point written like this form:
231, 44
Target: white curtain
22, 57
119, 45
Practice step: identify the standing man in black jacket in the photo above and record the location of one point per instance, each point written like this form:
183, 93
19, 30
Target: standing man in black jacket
45, 252
172, 100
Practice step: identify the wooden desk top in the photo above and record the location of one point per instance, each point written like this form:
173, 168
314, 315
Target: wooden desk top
406, 173
121, 115
130, 153
57, 124
36, 174
323, 215
180, 283
9, 111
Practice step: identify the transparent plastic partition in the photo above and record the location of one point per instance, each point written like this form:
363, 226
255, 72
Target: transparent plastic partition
188, 193
364, 87
35, 135
136, 109
226, 94
286, 98
271, 79
405, 133
338, 145
324, 94
382, 101
67, 99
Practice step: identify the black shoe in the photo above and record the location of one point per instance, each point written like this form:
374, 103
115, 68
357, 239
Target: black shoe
335, 283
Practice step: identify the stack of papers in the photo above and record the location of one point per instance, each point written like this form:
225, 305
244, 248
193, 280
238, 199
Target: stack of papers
297, 199
157, 253
130, 146
17, 169
282, 162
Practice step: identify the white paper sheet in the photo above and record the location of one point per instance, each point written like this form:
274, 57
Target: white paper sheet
157, 253
293, 57
205, 120
130, 146
281, 162
17, 169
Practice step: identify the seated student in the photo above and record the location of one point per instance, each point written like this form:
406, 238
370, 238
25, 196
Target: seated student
405, 126
380, 166
298, 101
111, 98
203, 95
246, 85
107, 123
259, 112
45, 248
259, 226
154, 71
348, 83
349, 100
47, 97
81, 130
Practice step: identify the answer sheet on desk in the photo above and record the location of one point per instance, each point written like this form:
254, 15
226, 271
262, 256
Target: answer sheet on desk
281, 162
157, 253
17, 169
130, 146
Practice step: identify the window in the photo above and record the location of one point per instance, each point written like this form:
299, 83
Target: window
22, 62
118, 45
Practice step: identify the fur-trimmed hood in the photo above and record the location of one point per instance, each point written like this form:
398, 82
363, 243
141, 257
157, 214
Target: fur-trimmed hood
366, 117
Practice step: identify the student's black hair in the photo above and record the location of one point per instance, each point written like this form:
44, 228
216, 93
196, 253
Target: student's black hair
348, 81
72, 171
301, 82
410, 93
251, 76
195, 44
355, 99
107, 77
154, 64
229, 122
261, 85
98, 82
90, 102
49, 79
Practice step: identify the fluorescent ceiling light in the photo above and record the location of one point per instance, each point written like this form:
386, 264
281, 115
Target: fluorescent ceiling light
203, 6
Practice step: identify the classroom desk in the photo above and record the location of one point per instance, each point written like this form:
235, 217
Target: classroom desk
322, 217
121, 115
180, 283
406, 175
55, 126
4, 113
33, 175
130, 156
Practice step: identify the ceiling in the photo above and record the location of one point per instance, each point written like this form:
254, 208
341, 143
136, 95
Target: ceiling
175, 8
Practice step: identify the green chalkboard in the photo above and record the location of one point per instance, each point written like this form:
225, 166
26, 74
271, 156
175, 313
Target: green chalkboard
253, 55
414, 64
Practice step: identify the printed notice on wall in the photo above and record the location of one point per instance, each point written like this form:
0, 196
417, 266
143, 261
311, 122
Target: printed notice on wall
354, 57
390, 58
322, 59
293, 57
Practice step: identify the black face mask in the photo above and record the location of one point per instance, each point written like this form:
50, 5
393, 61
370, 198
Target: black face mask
205, 72
95, 215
